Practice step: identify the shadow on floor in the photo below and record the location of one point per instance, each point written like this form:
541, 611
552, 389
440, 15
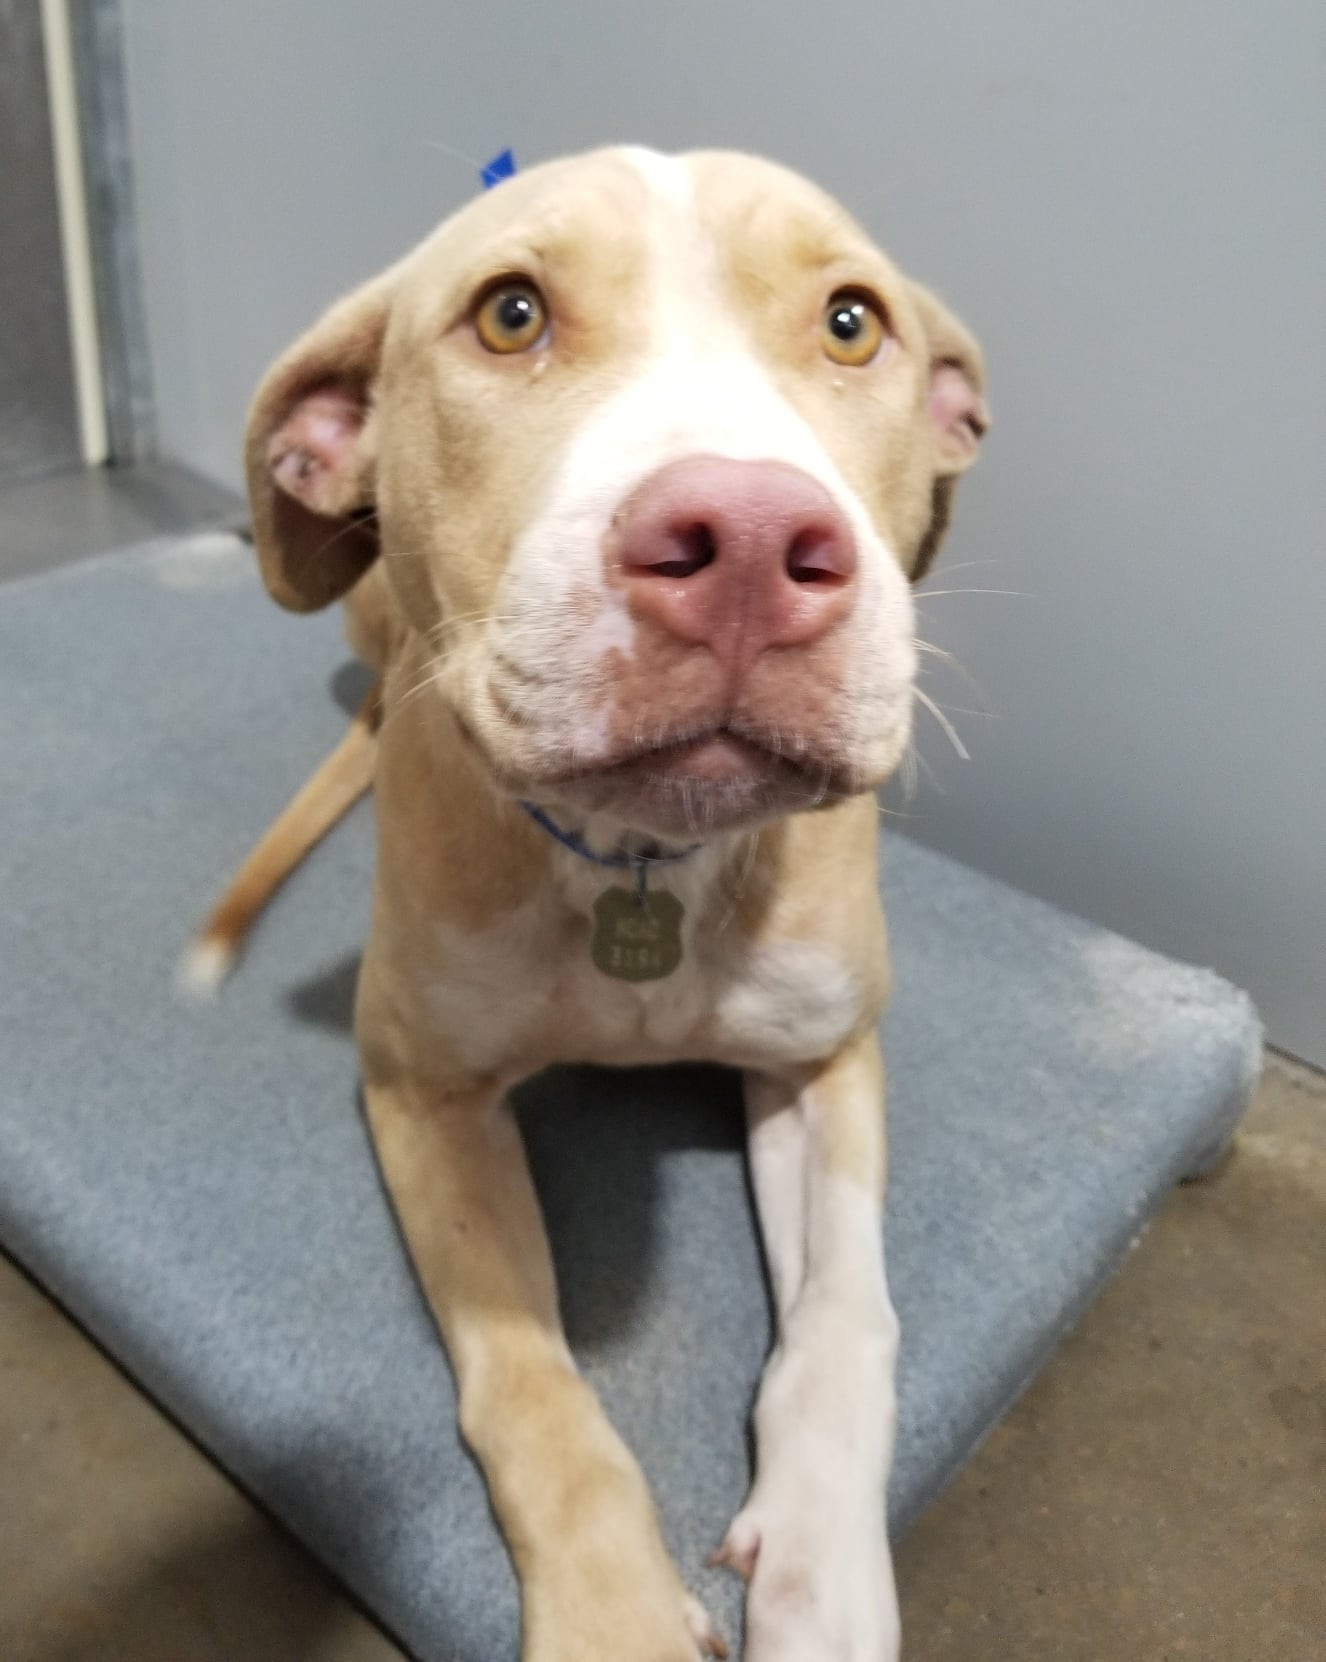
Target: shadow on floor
350, 684
595, 1149
328, 998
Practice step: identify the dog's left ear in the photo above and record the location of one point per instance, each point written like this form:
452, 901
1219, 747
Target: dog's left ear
310, 453
959, 416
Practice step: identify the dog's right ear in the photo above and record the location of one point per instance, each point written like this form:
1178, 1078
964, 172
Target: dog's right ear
958, 413
309, 454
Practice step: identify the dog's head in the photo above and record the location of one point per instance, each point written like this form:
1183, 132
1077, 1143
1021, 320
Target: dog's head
652, 448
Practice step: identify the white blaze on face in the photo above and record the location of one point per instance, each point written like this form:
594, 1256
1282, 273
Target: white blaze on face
701, 391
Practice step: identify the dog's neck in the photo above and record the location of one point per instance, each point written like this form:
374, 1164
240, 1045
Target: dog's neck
589, 853
609, 847
497, 851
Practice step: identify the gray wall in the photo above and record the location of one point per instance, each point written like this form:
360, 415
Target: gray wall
38, 405
1126, 202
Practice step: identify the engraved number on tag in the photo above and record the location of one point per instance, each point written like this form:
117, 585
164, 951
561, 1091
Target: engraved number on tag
637, 937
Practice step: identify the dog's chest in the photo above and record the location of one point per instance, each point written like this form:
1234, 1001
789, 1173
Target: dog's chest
528, 992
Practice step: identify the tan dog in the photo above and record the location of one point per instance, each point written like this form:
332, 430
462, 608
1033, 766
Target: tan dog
626, 470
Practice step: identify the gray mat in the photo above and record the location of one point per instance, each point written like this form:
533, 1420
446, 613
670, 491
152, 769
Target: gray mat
197, 1187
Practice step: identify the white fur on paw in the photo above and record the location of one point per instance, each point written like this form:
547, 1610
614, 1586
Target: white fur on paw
818, 1589
740, 1546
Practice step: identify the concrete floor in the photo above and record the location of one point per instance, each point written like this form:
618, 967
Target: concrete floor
66, 516
1158, 1495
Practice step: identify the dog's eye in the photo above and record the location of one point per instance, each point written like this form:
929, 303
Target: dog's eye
511, 317
853, 328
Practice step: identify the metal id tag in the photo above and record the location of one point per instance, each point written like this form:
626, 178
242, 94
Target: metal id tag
637, 934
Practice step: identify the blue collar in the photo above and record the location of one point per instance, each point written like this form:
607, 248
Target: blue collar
638, 863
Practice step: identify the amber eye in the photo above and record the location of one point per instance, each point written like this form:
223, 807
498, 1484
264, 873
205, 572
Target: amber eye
853, 328
511, 317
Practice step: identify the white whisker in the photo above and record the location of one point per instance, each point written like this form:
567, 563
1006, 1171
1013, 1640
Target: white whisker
937, 594
944, 722
954, 663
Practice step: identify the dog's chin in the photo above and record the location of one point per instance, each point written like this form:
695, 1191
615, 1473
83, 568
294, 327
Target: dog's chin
701, 786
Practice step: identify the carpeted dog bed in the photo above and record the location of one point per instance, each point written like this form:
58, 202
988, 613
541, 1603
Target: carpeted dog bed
197, 1187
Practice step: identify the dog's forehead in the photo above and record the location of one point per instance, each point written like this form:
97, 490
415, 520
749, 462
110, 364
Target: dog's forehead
619, 207
746, 200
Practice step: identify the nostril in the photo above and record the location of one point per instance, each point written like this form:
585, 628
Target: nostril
817, 556
691, 547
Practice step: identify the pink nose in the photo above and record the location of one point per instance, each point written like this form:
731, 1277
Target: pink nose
738, 556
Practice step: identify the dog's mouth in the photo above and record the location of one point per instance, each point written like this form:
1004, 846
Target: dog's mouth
704, 773
715, 779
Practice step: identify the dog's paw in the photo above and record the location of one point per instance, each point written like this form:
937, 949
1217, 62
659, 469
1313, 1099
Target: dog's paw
740, 1547
819, 1587
700, 1625
618, 1617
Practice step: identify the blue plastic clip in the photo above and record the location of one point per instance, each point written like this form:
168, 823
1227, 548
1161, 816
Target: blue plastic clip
501, 167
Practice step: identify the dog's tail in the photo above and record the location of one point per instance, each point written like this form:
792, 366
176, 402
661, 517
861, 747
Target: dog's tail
340, 780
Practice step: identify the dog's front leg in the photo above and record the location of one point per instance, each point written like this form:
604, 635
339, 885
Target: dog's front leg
812, 1537
596, 1580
